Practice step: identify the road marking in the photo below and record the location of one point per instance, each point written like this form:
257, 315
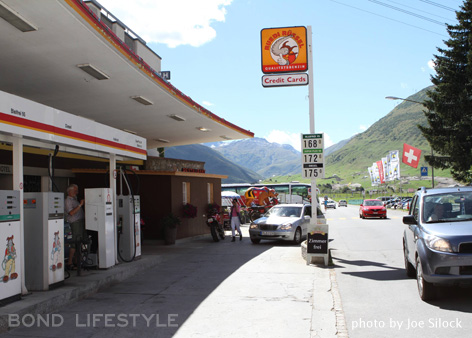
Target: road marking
344, 218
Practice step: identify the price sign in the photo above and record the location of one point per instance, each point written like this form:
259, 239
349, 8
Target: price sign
312, 156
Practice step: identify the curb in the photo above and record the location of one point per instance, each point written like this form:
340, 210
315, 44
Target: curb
75, 288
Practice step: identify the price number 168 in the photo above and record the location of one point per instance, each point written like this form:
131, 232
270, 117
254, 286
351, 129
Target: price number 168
312, 143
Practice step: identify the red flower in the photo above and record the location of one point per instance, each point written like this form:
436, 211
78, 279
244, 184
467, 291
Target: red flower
189, 211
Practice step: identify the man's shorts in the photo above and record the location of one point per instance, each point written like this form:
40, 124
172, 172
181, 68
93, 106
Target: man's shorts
78, 232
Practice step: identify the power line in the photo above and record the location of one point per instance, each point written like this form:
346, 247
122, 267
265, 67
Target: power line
439, 5
408, 12
386, 17
419, 10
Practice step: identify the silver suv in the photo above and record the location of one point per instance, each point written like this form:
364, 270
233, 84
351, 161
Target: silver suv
437, 242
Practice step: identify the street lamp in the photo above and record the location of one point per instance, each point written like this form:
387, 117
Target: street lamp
432, 155
399, 98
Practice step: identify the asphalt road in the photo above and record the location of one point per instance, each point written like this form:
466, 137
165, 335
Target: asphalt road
378, 299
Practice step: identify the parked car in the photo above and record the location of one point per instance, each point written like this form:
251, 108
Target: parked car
342, 203
286, 222
404, 203
385, 199
392, 203
372, 208
331, 204
437, 242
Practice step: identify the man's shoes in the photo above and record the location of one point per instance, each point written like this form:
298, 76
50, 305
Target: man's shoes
234, 238
241, 237
71, 267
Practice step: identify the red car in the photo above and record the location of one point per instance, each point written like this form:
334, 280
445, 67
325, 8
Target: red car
372, 208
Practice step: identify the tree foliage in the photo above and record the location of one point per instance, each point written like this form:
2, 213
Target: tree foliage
449, 107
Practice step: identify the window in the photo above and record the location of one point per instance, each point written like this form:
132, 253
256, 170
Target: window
210, 193
414, 207
186, 192
307, 211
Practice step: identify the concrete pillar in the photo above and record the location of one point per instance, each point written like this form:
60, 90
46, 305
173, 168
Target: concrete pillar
18, 185
112, 178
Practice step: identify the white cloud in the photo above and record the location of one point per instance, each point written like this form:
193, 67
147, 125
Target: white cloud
282, 137
431, 64
206, 103
362, 127
174, 23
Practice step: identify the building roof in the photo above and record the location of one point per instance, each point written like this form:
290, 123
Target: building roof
43, 44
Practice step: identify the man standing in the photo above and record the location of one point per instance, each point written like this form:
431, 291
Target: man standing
76, 218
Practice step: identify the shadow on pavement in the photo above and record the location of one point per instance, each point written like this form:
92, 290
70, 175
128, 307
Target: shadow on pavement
386, 272
162, 298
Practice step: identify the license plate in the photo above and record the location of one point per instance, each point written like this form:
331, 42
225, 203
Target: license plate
267, 233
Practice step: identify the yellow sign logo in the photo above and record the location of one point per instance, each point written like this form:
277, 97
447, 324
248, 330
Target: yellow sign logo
284, 50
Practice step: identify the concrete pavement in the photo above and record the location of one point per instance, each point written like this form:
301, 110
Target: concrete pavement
196, 288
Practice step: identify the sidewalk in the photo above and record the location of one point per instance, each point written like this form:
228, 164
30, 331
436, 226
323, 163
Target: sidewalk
75, 288
211, 289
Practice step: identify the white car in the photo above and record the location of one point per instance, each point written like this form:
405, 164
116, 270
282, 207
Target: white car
342, 203
331, 204
286, 222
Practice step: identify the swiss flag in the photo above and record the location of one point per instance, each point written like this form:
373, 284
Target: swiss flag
411, 155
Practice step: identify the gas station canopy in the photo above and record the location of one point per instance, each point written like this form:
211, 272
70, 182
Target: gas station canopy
60, 54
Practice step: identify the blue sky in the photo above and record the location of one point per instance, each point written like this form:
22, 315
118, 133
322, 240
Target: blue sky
363, 51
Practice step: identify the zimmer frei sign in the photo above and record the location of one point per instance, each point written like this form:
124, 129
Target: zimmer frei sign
284, 50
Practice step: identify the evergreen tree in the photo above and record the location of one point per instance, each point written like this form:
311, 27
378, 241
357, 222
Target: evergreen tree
449, 107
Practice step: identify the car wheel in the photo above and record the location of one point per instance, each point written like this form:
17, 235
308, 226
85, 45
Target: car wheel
297, 238
410, 269
425, 289
255, 240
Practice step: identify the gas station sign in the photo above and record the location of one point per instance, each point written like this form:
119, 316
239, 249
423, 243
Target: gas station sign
297, 79
284, 50
312, 156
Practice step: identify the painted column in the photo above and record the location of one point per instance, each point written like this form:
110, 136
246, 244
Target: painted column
17, 142
112, 177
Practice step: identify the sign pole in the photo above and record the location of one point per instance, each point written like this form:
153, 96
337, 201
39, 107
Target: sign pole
314, 201
317, 237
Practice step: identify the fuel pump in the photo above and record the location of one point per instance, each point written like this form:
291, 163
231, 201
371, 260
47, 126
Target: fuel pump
99, 218
129, 223
129, 227
44, 240
10, 237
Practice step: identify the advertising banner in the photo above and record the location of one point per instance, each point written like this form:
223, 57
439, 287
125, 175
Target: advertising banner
381, 172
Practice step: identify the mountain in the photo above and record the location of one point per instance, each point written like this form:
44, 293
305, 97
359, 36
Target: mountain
389, 133
249, 160
265, 158
336, 147
215, 163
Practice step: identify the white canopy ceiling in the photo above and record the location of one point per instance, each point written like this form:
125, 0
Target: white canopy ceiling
42, 65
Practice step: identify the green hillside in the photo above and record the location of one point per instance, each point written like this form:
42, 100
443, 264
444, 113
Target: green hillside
350, 163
